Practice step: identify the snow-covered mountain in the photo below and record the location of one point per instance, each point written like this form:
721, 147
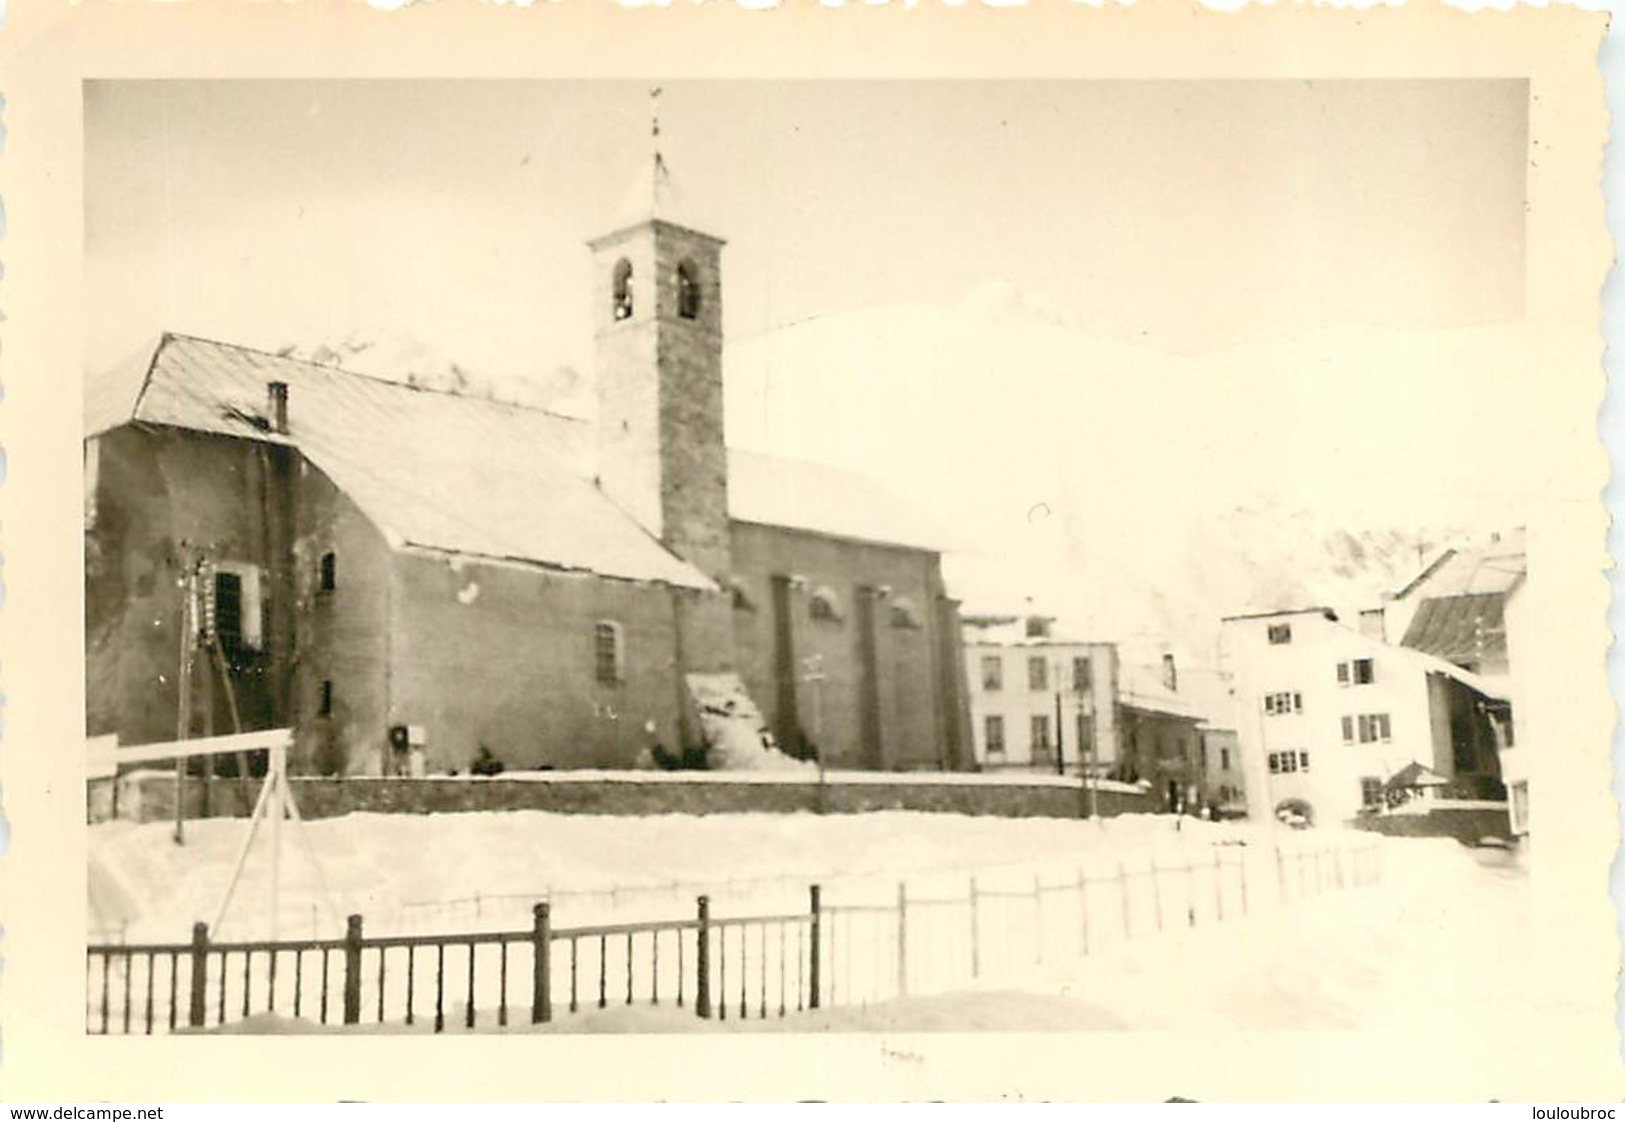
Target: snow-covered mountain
399, 357
1146, 494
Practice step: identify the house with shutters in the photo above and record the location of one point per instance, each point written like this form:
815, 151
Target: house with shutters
367, 557
1329, 715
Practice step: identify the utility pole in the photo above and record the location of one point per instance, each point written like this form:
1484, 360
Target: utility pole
812, 671
1060, 735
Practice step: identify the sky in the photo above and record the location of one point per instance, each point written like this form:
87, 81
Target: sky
1121, 305
1180, 215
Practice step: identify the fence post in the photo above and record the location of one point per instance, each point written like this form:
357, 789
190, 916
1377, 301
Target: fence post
814, 967
352, 970
200, 975
902, 939
541, 971
975, 947
702, 961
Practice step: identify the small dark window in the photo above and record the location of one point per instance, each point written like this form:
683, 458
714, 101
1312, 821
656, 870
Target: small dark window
992, 673
688, 291
995, 736
324, 702
1364, 673
329, 574
1280, 633
228, 613
1041, 746
1037, 673
1370, 791
1081, 678
1170, 674
1224, 759
621, 298
1348, 730
607, 657
1037, 627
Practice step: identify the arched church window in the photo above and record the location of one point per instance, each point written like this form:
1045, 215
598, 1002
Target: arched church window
622, 298
688, 291
825, 605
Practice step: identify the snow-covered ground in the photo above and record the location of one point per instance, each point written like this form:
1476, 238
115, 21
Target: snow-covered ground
453, 872
1182, 925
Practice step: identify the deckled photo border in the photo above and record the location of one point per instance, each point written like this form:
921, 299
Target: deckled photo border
48, 49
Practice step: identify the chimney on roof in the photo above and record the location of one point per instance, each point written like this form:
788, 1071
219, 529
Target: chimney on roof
276, 406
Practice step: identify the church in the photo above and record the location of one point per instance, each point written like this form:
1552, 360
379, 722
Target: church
415, 580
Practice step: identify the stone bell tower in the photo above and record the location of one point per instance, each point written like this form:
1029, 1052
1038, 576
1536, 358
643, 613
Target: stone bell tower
658, 327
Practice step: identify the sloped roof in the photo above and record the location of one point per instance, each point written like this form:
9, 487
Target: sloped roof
654, 196
775, 491
1467, 628
468, 475
431, 470
1495, 567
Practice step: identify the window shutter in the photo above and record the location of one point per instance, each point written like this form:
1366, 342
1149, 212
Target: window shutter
1342, 673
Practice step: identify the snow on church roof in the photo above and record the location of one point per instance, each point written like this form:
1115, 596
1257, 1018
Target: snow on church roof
430, 469
467, 475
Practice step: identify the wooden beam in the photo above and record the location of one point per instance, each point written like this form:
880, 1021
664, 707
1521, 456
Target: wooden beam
265, 739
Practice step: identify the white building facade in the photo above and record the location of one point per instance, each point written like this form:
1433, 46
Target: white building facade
1037, 702
1328, 713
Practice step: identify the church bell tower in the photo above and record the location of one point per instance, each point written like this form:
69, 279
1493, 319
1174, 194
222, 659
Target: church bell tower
657, 311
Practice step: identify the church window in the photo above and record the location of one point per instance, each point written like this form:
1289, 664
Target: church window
608, 654
622, 298
904, 613
825, 605
688, 291
228, 613
328, 577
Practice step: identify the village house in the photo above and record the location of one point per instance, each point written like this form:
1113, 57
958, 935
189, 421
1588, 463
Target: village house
1042, 700
1469, 607
412, 578
1330, 715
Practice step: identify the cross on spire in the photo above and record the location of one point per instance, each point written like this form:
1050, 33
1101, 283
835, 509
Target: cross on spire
654, 124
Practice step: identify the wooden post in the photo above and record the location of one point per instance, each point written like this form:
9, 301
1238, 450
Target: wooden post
200, 975
183, 719
702, 959
975, 947
277, 777
814, 966
352, 970
541, 972
902, 939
